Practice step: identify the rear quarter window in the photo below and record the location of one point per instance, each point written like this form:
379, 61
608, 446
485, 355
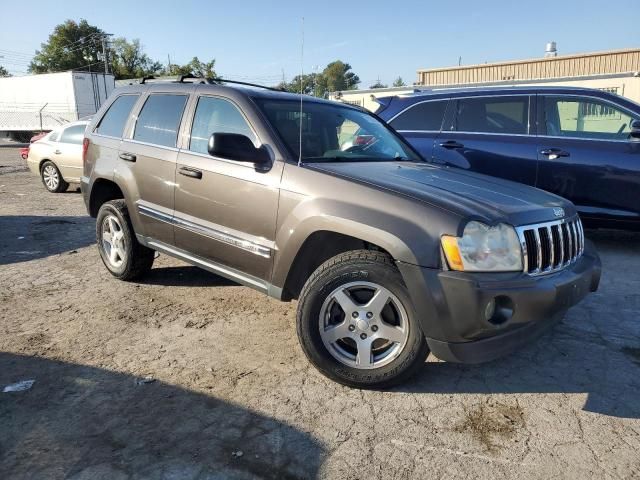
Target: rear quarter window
113, 122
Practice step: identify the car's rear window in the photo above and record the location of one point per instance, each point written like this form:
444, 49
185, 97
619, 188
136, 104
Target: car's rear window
113, 122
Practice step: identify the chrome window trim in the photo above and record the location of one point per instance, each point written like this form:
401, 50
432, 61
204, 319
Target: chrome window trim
238, 163
420, 103
147, 144
94, 134
588, 139
450, 132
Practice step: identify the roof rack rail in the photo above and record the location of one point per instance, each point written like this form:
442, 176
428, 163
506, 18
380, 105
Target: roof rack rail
237, 82
212, 81
190, 76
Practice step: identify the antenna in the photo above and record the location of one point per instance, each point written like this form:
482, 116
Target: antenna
301, 74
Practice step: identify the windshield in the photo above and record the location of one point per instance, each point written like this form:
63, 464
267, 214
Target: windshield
334, 133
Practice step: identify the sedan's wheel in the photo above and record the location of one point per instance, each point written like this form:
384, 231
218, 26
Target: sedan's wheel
356, 322
119, 249
52, 179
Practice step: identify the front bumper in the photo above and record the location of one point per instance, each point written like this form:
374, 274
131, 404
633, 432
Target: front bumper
452, 306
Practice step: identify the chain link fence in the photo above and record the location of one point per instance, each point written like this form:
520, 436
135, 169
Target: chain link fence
20, 121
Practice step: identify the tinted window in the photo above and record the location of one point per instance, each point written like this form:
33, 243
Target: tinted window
332, 132
422, 116
586, 118
159, 120
508, 115
73, 134
113, 122
215, 115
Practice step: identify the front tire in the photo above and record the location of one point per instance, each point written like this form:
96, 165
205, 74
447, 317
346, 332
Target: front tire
121, 253
52, 178
356, 322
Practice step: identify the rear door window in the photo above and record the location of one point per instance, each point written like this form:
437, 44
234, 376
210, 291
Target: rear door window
159, 119
500, 115
113, 122
424, 116
73, 135
585, 117
215, 115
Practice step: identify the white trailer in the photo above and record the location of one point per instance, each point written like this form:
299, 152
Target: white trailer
42, 102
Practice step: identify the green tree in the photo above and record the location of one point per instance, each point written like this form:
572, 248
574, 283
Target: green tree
309, 84
4, 72
71, 46
128, 60
338, 76
398, 82
378, 84
195, 67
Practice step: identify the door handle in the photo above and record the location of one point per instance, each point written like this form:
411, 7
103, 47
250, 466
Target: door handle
451, 144
57, 152
554, 153
129, 157
190, 172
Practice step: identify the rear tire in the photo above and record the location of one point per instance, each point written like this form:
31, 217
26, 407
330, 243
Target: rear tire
121, 253
356, 322
52, 178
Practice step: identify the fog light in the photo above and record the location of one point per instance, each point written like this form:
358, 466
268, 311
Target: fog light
490, 309
501, 309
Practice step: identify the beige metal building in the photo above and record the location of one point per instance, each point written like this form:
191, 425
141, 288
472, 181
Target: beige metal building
617, 71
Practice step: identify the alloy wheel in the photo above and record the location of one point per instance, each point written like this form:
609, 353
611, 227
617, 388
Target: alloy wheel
51, 177
363, 325
113, 242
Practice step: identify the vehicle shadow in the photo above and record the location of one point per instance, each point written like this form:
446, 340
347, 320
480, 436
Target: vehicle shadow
594, 351
560, 363
29, 237
185, 276
83, 422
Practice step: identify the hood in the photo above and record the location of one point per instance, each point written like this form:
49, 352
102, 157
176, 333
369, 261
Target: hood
469, 194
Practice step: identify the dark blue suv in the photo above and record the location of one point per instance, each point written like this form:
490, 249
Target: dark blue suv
579, 143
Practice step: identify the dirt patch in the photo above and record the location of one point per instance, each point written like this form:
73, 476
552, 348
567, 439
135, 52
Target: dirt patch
490, 422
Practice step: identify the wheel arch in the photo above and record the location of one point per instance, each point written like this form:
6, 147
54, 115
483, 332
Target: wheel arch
103, 190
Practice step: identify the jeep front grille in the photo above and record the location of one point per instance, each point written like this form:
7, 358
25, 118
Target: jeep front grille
551, 246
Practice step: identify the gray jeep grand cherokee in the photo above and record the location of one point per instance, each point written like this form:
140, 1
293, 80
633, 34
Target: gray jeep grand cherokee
389, 256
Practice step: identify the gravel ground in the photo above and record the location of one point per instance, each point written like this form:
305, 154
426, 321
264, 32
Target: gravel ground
187, 375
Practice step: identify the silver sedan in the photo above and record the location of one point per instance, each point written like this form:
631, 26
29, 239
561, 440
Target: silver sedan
57, 157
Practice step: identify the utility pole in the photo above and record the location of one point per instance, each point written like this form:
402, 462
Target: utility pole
168, 64
105, 52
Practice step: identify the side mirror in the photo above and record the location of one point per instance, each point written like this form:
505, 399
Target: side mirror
234, 146
635, 129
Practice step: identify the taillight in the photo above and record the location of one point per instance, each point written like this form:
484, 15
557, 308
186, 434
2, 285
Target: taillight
363, 139
85, 147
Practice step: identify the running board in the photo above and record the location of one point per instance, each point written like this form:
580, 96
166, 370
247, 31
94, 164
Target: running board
213, 267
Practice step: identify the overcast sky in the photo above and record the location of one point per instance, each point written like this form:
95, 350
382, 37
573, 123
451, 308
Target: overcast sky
258, 40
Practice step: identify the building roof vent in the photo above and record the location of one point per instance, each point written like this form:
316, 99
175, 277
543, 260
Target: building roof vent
551, 50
